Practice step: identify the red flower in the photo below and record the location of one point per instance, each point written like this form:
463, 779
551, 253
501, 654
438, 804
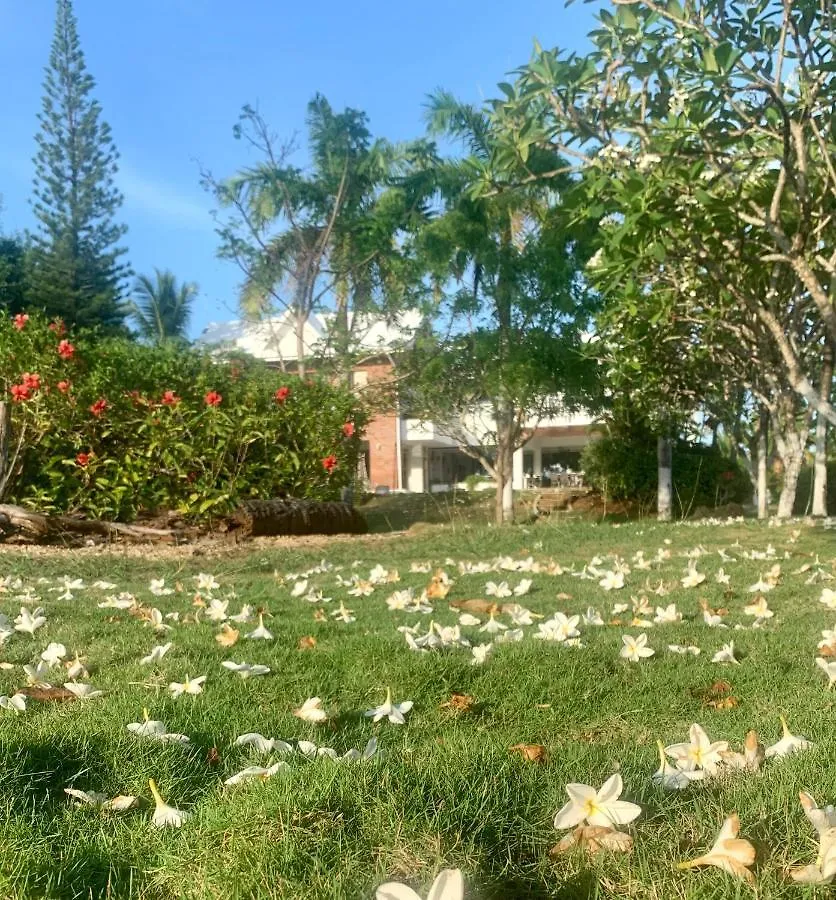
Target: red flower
65, 349
99, 406
212, 398
20, 321
282, 394
58, 327
728, 476
170, 399
348, 429
31, 380
19, 392
63, 386
329, 463
83, 458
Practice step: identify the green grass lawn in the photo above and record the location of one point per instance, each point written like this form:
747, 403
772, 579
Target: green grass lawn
448, 792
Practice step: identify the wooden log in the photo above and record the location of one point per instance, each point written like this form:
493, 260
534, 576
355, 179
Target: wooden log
273, 518
40, 529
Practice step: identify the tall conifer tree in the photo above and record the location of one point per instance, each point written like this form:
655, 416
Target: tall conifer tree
76, 270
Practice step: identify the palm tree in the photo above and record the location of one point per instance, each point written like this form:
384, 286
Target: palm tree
161, 308
324, 236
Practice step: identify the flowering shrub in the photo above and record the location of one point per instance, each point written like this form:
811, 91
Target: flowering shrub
111, 428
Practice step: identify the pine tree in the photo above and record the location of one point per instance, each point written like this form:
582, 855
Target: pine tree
76, 271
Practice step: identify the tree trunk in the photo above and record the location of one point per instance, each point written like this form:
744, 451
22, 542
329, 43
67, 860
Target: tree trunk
508, 498
793, 460
499, 505
763, 449
5, 444
820, 474
664, 495
300, 342
791, 428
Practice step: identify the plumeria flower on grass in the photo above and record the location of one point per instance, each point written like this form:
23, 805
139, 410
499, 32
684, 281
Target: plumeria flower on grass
206, 582
824, 821
260, 633
155, 730
394, 712
612, 581
83, 691
262, 744
480, 653
449, 885
16, 703
789, 742
500, 591
101, 801
54, 653
726, 654
29, 622
593, 816
189, 686
245, 670
165, 816
256, 772
698, 753
760, 609
75, 668
671, 778
692, 578
158, 589
730, 853
156, 654
635, 649
829, 668
155, 620
684, 650
36, 674
311, 711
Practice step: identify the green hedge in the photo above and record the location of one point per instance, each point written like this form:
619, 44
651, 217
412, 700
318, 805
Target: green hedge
111, 428
623, 466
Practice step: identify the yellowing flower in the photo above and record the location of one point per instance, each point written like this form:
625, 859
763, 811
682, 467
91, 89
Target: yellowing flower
731, 853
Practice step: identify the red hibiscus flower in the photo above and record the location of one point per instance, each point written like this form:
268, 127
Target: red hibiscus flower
19, 392
99, 406
170, 399
65, 349
58, 327
329, 463
20, 321
63, 386
31, 380
213, 398
282, 394
348, 429
83, 458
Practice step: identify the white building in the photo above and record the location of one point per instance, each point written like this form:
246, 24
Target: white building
403, 453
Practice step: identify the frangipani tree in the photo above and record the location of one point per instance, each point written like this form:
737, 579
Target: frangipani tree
703, 127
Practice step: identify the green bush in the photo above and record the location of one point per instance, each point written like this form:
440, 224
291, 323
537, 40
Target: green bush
111, 428
623, 466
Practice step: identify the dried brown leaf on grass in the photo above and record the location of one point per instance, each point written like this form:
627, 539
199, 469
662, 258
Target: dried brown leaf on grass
48, 694
593, 839
227, 636
535, 753
308, 642
459, 703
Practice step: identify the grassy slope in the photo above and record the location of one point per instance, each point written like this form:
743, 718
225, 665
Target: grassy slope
448, 792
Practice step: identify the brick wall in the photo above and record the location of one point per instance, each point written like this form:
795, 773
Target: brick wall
381, 432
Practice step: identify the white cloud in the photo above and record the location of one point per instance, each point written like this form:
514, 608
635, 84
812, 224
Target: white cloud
159, 199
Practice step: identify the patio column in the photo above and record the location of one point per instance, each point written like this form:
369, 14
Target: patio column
415, 474
538, 460
517, 479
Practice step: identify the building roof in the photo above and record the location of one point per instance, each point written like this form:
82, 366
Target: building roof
274, 339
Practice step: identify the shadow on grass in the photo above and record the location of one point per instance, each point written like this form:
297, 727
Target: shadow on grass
87, 873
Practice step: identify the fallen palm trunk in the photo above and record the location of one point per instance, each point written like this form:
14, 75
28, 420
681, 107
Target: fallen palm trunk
254, 518
271, 518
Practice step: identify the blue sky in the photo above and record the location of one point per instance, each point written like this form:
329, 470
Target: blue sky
172, 76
